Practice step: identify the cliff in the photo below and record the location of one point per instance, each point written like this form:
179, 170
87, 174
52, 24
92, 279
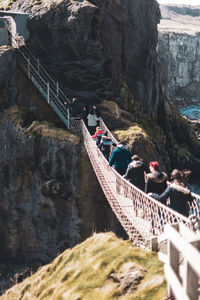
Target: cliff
178, 51
101, 52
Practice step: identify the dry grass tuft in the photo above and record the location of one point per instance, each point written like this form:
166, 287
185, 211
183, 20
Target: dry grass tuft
49, 130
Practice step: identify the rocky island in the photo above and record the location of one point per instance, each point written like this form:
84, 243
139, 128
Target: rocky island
102, 52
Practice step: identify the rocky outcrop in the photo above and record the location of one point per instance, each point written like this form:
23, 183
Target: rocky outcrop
178, 50
92, 47
47, 203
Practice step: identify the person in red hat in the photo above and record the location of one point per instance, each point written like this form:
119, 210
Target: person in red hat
156, 181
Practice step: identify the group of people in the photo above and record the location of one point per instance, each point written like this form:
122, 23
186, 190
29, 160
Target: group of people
149, 179
153, 181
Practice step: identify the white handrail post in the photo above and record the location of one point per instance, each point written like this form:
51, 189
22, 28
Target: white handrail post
191, 279
68, 118
38, 65
29, 69
57, 89
48, 99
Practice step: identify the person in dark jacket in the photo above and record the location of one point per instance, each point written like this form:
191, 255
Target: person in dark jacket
178, 192
135, 172
120, 159
156, 181
105, 145
76, 108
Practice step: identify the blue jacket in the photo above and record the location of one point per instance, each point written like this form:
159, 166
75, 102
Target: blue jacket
120, 158
180, 197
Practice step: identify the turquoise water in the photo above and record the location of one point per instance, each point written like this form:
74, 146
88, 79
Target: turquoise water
195, 188
191, 111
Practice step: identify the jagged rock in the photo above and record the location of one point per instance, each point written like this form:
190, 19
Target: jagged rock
91, 47
178, 50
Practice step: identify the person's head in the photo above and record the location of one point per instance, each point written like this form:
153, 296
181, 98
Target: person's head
74, 99
91, 111
94, 107
154, 166
180, 176
136, 157
98, 128
121, 146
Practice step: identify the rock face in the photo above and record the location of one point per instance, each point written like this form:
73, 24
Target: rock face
47, 203
92, 47
179, 53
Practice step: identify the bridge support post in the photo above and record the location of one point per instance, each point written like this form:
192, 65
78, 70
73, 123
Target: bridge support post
68, 124
38, 65
29, 69
48, 99
57, 89
154, 244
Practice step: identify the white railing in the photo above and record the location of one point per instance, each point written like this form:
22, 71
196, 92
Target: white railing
45, 84
182, 268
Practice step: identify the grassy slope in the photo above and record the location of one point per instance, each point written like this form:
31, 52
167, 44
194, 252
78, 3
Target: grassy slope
88, 270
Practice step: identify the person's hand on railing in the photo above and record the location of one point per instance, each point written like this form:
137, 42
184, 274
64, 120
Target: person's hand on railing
150, 194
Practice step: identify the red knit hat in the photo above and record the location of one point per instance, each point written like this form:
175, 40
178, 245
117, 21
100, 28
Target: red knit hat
155, 165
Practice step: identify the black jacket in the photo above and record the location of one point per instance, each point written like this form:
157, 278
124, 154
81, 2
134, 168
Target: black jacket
135, 173
179, 196
156, 182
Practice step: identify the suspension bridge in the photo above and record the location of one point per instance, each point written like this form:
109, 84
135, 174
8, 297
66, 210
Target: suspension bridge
141, 216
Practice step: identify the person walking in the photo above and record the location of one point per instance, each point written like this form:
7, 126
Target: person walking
20, 41
178, 191
156, 181
105, 145
120, 159
92, 121
136, 171
97, 136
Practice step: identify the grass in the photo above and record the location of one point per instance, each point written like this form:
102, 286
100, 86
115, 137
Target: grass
20, 114
17, 114
86, 272
48, 129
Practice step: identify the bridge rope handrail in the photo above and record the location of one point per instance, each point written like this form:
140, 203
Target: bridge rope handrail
140, 215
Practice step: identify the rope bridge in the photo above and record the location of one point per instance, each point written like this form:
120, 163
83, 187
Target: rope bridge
141, 216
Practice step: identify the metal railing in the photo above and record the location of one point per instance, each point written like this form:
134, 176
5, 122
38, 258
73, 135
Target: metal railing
45, 84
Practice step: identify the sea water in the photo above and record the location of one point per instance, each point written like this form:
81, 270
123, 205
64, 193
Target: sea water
195, 188
191, 111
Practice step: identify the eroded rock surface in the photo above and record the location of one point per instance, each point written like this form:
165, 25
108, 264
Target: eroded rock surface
179, 53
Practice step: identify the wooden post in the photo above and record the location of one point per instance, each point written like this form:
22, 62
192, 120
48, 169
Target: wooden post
29, 68
68, 126
57, 89
154, 243
38, 65
48, 99
191, 282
